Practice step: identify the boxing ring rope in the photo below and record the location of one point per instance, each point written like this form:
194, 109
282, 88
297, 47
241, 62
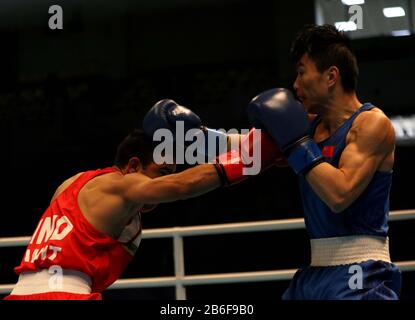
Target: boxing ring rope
180, 280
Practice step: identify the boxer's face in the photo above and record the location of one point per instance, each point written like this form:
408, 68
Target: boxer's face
154, 170
310, 85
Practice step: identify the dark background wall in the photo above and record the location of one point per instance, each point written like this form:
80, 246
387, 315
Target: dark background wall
67, 97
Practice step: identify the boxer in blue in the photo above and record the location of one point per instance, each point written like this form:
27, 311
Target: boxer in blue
343, 153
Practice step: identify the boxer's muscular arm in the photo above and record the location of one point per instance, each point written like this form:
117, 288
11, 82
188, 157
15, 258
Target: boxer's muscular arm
370, 141
179, 186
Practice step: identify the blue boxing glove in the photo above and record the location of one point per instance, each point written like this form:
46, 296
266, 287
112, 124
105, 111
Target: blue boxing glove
167, 114
284, 118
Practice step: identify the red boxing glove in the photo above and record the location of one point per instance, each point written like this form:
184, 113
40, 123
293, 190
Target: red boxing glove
236, 165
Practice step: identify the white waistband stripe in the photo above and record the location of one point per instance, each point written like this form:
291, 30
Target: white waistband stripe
348, 250
53, 279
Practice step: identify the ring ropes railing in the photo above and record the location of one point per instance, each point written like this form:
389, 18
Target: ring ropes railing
180, 280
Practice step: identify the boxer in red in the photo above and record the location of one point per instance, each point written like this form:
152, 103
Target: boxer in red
92, 228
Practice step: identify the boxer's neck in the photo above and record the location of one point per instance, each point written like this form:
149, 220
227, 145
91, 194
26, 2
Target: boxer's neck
338, 109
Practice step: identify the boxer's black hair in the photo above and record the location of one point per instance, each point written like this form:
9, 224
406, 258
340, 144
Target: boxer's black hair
327, 47
136, 144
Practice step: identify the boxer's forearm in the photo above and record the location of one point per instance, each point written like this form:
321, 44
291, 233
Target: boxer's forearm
334, 186
179, 186
329, 185
197, 181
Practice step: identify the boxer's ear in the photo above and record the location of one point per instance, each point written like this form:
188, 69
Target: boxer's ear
134, 165
333, 74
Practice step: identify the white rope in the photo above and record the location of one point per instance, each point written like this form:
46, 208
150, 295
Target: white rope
242, 227
181, 280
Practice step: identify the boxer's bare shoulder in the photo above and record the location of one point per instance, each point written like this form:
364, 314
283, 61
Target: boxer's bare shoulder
375, 126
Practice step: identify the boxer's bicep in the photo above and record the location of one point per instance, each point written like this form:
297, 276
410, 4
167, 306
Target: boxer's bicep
358, 169
369, 144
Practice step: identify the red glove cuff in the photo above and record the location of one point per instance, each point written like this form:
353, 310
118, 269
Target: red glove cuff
231, 165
